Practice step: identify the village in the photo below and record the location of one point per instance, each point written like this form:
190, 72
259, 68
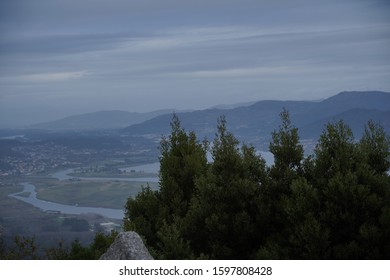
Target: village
25, 157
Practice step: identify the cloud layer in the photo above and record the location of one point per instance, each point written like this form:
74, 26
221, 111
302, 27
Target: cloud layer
146, 55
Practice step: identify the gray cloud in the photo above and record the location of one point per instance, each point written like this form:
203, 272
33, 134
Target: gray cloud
146, 55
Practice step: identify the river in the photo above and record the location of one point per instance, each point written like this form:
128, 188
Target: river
66, 209
76, 210
106, 212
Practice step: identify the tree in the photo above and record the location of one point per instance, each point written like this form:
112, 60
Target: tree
157, 215
373, 168
375, 148
223, 210
77, 251
306, 236
335, 151
354, 191
143, 214
24, 248
288, 153
182, 160
334, 204
287, 167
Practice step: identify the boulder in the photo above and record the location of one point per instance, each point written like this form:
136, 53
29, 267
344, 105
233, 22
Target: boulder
127, 246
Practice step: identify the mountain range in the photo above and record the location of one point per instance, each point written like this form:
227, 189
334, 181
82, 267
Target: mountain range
100, 120
254, 123
250, 122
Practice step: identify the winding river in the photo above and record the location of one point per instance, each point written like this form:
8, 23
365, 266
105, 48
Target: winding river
72, 209
106, 212
66, 209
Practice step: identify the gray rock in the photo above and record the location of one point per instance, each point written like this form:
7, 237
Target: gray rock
127, 246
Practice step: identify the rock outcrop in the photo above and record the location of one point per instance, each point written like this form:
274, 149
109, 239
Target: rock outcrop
127, 246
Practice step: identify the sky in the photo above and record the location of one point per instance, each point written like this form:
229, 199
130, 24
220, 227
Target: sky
60, 58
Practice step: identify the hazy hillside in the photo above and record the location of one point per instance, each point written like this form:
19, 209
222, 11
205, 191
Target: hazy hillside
100, 120
355, 118
249, 122
256, 122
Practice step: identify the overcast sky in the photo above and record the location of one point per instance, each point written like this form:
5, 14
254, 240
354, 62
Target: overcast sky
59, 58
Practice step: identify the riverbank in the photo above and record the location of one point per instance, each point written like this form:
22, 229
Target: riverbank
62, 208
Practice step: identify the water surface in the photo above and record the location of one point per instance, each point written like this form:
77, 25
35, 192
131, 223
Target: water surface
63, 208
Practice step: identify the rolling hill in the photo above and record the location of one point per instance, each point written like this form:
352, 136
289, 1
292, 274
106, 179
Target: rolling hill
250, 122
254, 123
100, 120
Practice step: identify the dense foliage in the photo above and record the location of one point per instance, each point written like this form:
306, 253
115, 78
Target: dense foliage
333, 204
25, 248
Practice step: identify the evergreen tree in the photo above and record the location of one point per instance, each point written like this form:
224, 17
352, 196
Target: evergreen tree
223, 211
182, 159
157, 215
335, 151
373, 168
143, 214
305, 235
287, 167
375, 148
354, 191
338, 188
334, 204
287, 151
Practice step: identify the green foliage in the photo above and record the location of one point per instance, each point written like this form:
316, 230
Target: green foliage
77, 251
182, 159
225, 200
155, 214
146, 215
172, 245
25, 248
287, 168
354, 190
375, 148
335, 151
288, 153
102, 242
333, 204
61, 252
307, 238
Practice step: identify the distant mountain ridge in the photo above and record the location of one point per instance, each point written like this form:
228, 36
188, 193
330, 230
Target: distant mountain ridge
114, 119
255, 122
250, 122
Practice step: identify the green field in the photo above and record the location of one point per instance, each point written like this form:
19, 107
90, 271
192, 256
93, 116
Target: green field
109, 194
112, 175
18, 218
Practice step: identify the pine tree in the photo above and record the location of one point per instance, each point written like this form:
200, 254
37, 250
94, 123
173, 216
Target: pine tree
287, 151
223, 211
372, 171
158, 215
143, 214
287, 167
182, 160
307, 238
354, 191
334, 204
375, 147
335, 150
